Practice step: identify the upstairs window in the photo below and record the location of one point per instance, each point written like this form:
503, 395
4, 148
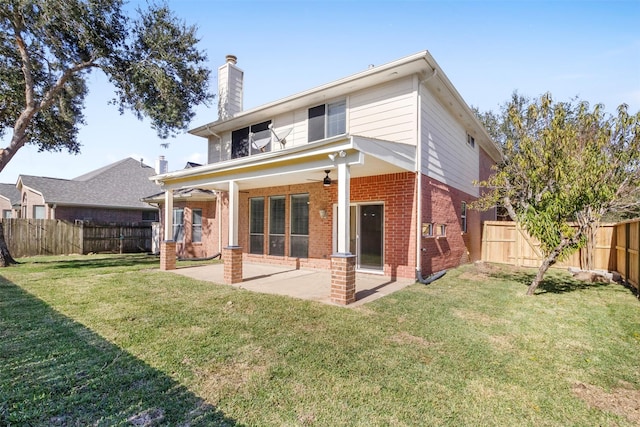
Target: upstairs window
327, 120
471, 141
251, 140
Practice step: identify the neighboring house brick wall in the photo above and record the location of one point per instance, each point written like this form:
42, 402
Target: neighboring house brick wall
30, 199
72, 213
5, 205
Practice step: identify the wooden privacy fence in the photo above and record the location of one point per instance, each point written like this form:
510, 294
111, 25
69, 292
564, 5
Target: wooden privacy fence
30, 237
616, 248
627, 251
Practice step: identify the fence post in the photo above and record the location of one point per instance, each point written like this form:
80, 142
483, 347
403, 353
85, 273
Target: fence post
627, 255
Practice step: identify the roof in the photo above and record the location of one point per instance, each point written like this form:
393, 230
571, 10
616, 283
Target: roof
118, 185
11, 193
421, 63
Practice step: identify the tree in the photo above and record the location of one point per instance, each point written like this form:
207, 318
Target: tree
564, 165
49, 47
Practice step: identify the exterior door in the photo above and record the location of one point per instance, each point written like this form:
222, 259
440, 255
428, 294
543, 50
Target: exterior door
370, 220
366, 235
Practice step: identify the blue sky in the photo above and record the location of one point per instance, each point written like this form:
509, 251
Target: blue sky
488, 49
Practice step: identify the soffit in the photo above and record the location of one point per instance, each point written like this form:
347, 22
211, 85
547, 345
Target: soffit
365, 156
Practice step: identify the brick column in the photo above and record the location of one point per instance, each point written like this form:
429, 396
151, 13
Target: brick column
232, 257
343, 278
168, 255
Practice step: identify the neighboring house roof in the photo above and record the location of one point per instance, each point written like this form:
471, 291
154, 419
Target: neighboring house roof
119, 185
11, 193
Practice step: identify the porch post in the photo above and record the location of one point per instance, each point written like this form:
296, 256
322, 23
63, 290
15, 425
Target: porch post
343, 263
232, 254
168, 245
344, 177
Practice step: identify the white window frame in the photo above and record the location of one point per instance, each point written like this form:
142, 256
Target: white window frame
471, 141
178, 226
292, 222
330, 120
196, 226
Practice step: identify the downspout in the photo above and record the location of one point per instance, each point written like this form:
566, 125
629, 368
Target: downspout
219, 208
419, 176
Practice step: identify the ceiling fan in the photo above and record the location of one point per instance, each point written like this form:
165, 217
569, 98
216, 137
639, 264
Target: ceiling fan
326, 181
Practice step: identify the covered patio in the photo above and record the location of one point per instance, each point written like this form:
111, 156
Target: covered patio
308, 284
345, 157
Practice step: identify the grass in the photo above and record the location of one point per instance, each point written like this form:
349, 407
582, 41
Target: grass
109, 340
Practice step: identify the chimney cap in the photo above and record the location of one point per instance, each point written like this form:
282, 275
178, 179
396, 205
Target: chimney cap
232, 59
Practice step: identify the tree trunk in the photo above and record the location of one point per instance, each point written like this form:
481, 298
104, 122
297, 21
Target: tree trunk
5, 257
546, 263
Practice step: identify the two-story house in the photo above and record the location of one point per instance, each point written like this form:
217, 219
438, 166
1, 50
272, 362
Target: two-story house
369, 173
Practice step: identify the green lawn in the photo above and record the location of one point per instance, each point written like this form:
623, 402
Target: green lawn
110, 340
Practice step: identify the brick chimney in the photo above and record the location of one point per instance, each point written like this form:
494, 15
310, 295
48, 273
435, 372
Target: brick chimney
229, 88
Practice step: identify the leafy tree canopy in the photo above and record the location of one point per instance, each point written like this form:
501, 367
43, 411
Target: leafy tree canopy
48, 48
563, 163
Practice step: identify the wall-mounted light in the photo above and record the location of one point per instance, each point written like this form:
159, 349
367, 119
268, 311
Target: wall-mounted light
323, 214
340, 153
326, 181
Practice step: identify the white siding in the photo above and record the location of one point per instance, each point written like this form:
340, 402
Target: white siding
385, 112
445, 154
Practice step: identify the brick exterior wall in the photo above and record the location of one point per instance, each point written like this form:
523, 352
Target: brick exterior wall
395, 191
320, 229
72, 213
441, 204
209, 245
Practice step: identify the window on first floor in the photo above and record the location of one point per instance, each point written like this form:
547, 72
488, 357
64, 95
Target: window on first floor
6, 213
327, 120
276, 225
196, 225
38, 212
463, 217
256, 225
299, 226
178, 224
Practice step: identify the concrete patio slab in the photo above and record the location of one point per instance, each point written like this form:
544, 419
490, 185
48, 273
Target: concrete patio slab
302, 283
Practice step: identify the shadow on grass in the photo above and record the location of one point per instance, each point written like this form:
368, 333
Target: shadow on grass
56, 372
102, 261
551, 282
